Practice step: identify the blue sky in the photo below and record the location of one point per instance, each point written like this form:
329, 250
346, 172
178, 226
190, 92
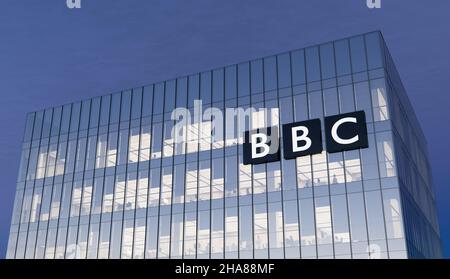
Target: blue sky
51, 55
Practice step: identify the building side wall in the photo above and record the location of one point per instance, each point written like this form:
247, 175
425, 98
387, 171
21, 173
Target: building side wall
414, 173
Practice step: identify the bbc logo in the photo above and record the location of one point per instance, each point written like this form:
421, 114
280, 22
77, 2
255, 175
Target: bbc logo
342, 132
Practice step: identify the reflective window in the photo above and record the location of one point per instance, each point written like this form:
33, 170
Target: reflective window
231, 178
379, 100
393, 214
373, 47
217, 233
257, 78
108, 194
104, 110
304, 174
357, 217
298, 67
342, 53
203, 234
169, 96
127, 239
119, 192
130, 196
93, 240
166, 185
284, 70
176, 249
158, 99
139, 239
375, 222
142, 190
152, 238
122, 147
230, 82
358, 54
323, 221
125, 107
204, 184
136, 102
218, 86
307, 228
245, 232
341, 230
115, 242
147, 101
190, 234
386, 154
312, 64
103, 246
94, 116
243, 79
260, 230
178, 183
29, 127
276, 237
133, 145
97, 196
270, 73
75, 205
155, 179
327, 61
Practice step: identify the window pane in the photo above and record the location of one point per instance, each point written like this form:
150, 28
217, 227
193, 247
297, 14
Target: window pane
373, 46
243, 79
158, 99
270, 74
95, 113
230, 82
104, 110
125, 108
312, 64
85, 108
284, 70
245, 232
218, 85
257, 76
147, 101
327, 61
205, 87
169, 102
358, 54
298, 67
136, 103
29, 127
342, 57
115, 108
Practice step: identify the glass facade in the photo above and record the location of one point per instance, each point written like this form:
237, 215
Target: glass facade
104, 177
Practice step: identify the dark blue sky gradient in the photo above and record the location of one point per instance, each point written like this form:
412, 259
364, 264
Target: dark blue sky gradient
50, 55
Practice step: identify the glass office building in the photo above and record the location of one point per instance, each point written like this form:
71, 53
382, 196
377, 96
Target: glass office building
103, 177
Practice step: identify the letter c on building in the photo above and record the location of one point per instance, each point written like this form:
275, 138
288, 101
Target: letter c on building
335, 127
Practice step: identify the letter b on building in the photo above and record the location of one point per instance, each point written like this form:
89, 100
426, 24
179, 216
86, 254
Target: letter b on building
261, 146
302, 138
